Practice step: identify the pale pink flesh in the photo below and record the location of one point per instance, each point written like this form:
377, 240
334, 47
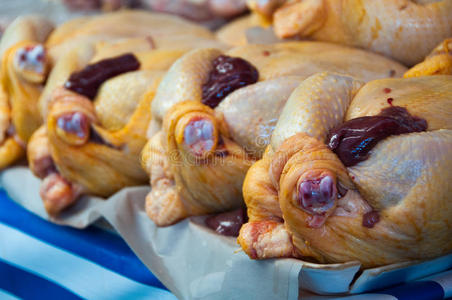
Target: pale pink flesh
317, 197
74, 123
57, 193
198, 136
31, 58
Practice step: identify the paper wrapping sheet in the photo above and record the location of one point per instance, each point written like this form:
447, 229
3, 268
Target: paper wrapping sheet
196, 263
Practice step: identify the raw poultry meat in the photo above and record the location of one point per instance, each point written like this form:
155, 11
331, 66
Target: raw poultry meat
379, 206
198, 158
96, 104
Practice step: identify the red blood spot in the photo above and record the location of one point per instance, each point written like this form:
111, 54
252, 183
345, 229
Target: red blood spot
265, 53
23, 57
353, 177
387, 90
390, 101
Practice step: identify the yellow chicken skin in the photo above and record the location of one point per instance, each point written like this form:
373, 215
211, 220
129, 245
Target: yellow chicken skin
97, 112
23, 71
198, 157
438, 62
406, 30
307, 198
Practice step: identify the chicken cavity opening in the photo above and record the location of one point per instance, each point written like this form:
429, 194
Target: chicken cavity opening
74, 123
317, 197
31, 59
198, 136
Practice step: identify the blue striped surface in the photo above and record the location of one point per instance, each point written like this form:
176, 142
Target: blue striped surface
25, 285
96, 245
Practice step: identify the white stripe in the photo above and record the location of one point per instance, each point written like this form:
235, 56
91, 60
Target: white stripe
82, 277
4, 295
444, 279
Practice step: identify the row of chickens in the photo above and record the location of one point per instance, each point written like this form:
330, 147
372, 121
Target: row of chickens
336, 157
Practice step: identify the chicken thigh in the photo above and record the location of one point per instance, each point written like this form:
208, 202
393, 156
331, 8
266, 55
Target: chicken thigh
355, 172
218, 112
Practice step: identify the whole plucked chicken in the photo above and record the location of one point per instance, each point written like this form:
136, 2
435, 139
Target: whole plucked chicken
406, 30
96, 107
355, 172
218, 111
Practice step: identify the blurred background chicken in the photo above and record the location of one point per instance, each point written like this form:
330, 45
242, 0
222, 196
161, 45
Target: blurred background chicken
406, 30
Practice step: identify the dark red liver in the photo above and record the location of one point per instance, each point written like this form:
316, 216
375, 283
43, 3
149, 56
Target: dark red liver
228, 74
87, 81
353, 140
228, 223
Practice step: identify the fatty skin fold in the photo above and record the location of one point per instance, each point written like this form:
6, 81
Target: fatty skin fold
406, 178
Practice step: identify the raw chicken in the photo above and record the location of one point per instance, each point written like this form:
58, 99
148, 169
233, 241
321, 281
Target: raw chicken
304, 200
96, 103
198, 158
24, 68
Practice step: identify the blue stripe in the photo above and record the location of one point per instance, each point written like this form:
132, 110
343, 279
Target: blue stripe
416, 290
96, 245
27, 285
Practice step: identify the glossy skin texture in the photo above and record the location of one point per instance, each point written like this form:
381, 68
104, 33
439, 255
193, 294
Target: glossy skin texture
402, 29
384, 216
203, 154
